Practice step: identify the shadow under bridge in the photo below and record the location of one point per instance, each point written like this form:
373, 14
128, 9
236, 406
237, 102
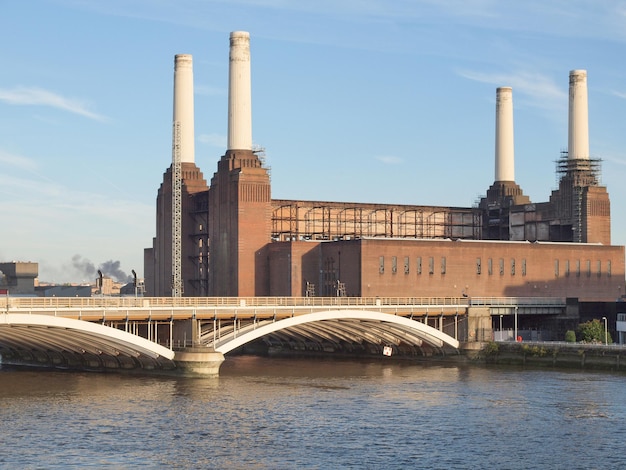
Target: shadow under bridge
341, 330
67, 343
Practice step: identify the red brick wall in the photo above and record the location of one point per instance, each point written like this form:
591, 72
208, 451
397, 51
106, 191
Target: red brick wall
292, 265
239, 226
455, 271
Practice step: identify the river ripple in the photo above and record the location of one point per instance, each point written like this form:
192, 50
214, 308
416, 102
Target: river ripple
264, 413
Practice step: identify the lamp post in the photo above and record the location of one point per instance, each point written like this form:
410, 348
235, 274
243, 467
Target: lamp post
501, 336
515, 337
606, 336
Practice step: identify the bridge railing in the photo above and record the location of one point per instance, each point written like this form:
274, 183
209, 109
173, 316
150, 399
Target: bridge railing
174, 302
517, 301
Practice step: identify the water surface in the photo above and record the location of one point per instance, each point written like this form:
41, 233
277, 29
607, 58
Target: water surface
264, 413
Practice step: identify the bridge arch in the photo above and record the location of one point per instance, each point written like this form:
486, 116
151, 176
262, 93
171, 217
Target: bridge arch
335, 325
64, 342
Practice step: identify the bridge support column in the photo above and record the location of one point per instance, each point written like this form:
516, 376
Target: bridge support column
185, 333
198, 361
479, 325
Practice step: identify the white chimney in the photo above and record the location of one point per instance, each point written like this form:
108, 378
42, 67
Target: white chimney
239, 93
578, 138
505, 155
183, 106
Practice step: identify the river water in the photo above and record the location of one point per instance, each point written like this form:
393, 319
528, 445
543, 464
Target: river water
266, 413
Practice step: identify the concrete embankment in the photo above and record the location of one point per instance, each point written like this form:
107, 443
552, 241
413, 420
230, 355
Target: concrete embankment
546, 354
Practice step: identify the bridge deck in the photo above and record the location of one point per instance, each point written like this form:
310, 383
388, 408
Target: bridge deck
300, 323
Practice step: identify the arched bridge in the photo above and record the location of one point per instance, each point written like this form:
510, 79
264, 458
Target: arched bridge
110, 333
169, 333
336, 328
47, 340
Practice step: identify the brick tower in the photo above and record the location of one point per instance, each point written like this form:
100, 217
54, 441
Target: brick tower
240, 195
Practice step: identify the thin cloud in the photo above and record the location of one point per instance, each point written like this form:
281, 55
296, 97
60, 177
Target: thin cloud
542, 90
617, 160
558, 18
17, 161
11, 185
389, 159
619, 94
24, 96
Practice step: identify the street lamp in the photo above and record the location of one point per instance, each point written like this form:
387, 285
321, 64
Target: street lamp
515, 336
501, 336
606, 336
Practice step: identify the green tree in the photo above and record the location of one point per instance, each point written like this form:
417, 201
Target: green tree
593, 332
570, 336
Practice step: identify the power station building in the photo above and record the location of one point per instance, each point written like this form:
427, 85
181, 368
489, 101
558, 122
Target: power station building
228, 237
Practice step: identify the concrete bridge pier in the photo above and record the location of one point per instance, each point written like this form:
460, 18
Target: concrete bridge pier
198, 361
192, 358
479, 324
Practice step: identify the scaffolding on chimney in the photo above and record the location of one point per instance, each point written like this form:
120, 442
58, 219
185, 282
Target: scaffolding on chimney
575, 175
177, 281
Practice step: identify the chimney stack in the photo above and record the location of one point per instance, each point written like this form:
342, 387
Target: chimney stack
505, 155
183, 105
578, 138
239, 93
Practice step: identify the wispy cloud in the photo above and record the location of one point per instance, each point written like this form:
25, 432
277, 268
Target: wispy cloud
619, 94
558, 17
389, 159
24, 196
28, 187
33, 96
620, 160
17, 161
214, 140
541, 89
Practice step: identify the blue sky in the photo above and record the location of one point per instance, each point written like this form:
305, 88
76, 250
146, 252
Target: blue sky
362, 101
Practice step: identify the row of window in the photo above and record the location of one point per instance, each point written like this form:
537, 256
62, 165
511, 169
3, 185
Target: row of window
587, 267
407, 265
501, 266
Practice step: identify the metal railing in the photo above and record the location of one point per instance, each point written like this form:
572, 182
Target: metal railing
517, 301
174, 302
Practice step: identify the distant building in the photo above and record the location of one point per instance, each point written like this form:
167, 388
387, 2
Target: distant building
63, 291
18, 277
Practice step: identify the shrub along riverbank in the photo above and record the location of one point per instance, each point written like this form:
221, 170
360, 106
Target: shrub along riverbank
547, 354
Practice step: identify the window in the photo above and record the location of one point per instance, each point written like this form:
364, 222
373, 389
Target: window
588, 267
567, 267
578, 268
394, 264
406, 265
608, 268
501, 261
419, 265
490, 266
512, 266
556, 268
431, 265
599, 269
523, 266
443, 265
381, 265
478, 267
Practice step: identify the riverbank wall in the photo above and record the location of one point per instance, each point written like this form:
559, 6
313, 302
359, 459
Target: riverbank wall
554, 355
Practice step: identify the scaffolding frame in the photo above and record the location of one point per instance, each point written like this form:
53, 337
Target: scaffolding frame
321, 221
